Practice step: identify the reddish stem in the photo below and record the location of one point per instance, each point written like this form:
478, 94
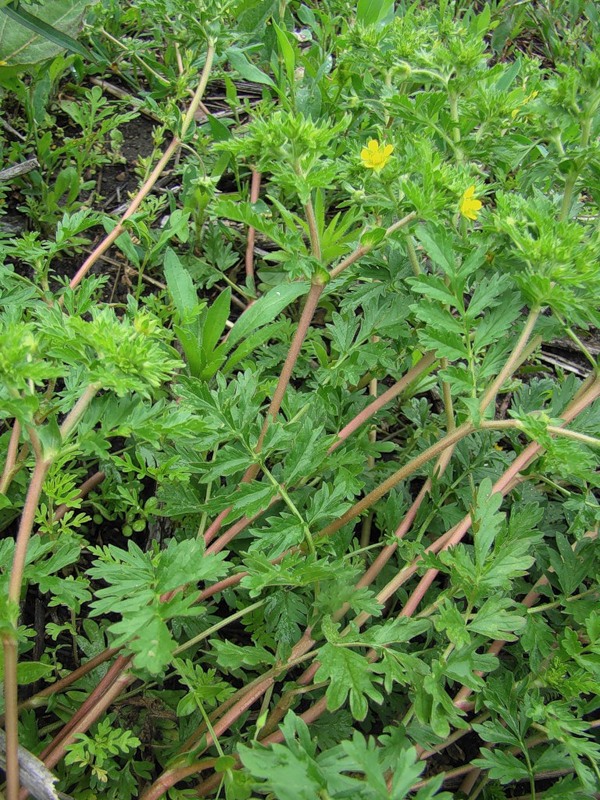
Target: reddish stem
308, 312
383, 399
105, 685
284, 378
11, 457
69, 679
408, 469
90, 718
119, 228
10, 638
169, 778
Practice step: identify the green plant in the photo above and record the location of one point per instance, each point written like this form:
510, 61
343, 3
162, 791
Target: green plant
347, 516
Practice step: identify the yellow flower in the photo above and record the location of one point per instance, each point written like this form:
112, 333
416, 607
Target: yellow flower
469, 206
375, 155
529, 97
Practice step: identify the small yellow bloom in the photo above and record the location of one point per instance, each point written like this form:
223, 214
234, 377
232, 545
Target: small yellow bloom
469, 205
375, 155
529, 97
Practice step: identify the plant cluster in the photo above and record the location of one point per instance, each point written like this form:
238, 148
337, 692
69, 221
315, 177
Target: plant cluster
307, 511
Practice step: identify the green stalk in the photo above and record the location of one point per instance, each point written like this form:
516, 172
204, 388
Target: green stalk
515, 424
293, 508
313, 230
412, 257
584, 139
364, 249
217, 627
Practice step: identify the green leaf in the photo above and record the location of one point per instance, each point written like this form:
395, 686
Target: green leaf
249, 344
232, 656
252, 15
188, 338
486, 520
287, 52
433, 287
370, 12
182, 562
180, 286
372, 237
351, 674
225, 763
220, 132
445, 344
307, 453
214, 322
253, 497
265, 309
256, 215
291, 775
246, 70
487, 294
438, 245
285, 613
31, 671
494, 620
26, 39
154, 649
501, 766
497, 733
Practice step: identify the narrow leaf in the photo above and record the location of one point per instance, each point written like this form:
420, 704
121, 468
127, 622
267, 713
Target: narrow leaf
180, 286
369, 12
48, 36
245, 69
214, 324
265, 309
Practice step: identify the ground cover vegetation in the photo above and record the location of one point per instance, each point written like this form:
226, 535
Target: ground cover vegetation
299, 398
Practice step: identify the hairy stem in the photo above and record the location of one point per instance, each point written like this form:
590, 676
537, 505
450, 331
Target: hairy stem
172, 776
91, 703
313, 230
39, 699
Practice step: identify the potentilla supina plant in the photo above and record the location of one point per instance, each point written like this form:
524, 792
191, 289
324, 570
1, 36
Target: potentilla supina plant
376, 155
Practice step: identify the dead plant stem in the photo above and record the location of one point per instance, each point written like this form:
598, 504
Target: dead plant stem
149, 183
